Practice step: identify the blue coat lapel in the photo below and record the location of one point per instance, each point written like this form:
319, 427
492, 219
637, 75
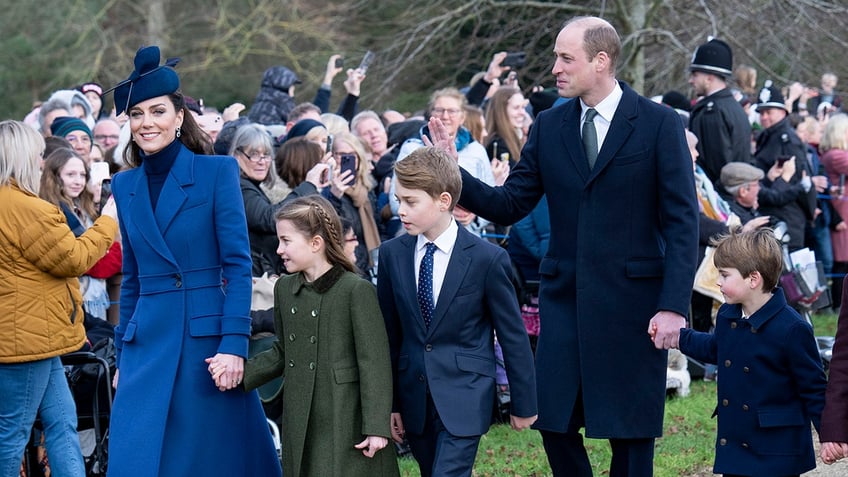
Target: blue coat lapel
172, 197
141, 211
460, 262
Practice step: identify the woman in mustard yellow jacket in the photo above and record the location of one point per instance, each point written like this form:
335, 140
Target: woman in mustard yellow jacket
41, 313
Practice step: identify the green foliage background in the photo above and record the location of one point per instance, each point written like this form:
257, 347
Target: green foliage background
225, 45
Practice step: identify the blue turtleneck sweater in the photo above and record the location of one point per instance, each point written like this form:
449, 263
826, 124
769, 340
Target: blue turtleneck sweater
157, 166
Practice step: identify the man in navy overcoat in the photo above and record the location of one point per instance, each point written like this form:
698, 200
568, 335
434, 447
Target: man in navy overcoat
622, 256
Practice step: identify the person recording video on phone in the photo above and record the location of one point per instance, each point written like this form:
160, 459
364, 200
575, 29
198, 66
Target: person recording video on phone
358, 202
788, 193
64, 183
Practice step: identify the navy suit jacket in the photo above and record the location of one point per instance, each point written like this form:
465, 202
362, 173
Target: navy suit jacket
624, 244
455, 358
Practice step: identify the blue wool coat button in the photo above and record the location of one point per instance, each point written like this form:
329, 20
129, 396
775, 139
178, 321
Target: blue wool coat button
727, 363
725, 402
178, 281
733, 324
428, 347
421, 377
744, 407
746, 369
722, 441
745, 445
754, 330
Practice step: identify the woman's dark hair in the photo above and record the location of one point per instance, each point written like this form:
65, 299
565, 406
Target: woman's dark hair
192, 137
295, 158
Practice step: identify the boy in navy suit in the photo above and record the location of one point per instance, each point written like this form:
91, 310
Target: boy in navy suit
444, 293
771, 383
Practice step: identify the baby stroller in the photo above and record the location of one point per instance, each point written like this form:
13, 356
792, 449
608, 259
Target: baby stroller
89, 375
804, 285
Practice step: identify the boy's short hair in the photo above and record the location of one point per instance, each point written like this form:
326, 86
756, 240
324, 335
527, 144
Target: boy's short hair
748, 252
432, 170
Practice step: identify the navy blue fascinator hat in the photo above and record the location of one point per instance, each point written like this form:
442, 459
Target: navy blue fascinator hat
148, 80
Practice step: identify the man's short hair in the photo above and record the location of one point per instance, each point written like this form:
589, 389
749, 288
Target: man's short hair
599, 36
299, 111
432, 170
748, 252
361, 116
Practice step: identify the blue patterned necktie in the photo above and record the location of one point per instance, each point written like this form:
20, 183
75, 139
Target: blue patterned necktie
590, 137
425, 284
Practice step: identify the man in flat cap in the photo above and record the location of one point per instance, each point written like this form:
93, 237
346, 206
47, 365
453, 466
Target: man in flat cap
742, 183
717, 119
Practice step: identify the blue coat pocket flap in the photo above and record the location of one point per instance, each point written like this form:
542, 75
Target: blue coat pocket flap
346, 375
476, 364
129, 333
208, 325
781, 418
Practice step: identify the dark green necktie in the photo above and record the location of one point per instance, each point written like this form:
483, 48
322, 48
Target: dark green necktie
590, 137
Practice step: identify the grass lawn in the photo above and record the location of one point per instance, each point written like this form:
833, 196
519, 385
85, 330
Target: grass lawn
686, 448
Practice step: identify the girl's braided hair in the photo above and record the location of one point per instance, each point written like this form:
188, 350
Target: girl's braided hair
313, 215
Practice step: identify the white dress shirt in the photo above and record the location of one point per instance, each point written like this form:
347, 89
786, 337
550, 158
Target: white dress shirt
444, 248
606, 110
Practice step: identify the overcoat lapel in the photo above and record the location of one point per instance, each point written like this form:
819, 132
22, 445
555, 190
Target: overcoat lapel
619, 131
573, 141
172, 197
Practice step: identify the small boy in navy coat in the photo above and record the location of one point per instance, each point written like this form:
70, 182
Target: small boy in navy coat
443, 293
771, 382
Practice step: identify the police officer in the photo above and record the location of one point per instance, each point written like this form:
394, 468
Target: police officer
717, 119
787, 192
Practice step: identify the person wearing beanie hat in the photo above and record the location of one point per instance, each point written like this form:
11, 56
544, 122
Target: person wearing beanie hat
782, 156
76, 132
94, 94
717, 119
305, 127
181, 341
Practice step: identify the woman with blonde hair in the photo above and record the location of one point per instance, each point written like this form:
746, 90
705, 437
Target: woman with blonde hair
357, 202
834, 158
41, 316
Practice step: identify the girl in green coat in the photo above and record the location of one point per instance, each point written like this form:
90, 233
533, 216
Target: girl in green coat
332, 350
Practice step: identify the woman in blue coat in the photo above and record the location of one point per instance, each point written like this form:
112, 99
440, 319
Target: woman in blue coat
185, 296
